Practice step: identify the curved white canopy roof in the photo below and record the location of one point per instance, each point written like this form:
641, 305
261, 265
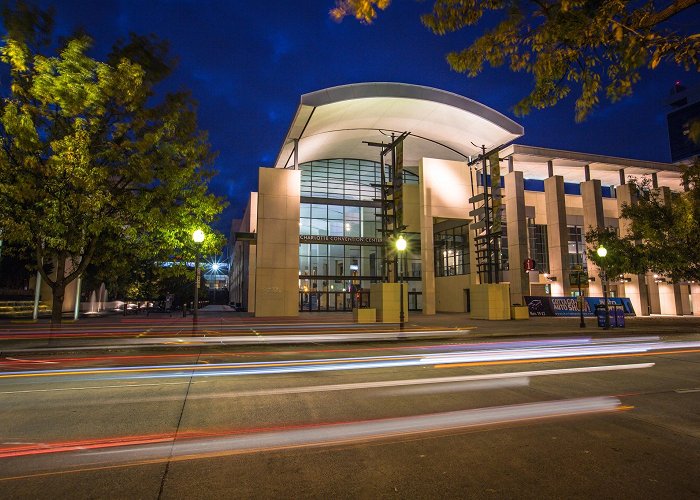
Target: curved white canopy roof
333, 123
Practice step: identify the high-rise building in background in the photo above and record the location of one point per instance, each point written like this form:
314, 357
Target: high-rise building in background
686, 112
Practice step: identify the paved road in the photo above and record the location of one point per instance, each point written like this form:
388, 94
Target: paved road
538, 417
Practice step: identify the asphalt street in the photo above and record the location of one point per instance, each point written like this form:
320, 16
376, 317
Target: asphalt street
555, 416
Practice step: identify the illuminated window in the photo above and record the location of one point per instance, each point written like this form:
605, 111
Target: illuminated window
451, 249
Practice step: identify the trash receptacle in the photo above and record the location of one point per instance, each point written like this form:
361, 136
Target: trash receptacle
600, 314
619, 316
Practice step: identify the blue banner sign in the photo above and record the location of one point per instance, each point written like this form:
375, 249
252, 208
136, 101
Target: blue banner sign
569, 306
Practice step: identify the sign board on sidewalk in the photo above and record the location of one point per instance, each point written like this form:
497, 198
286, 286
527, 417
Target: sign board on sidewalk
569, 306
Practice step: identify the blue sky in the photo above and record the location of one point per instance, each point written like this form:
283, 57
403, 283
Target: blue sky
248, 63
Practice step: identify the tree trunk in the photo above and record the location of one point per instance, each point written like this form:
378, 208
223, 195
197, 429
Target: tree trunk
57, 305
58, 290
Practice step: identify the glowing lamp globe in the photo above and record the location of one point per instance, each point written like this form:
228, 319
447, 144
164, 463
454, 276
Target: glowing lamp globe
401, 244
198, 236
602, 251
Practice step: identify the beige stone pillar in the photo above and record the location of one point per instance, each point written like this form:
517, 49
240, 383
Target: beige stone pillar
444, 187
277, 248
427, 250
635, 290
695, 299
557, 234
516, 224
671, 302
592, 198
685, 299
653, 294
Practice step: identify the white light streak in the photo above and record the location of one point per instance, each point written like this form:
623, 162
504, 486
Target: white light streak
313, 435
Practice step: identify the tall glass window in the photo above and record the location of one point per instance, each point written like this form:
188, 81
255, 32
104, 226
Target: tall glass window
339, 220
452, 251
340, 179
537, 247
340, 251
576, 246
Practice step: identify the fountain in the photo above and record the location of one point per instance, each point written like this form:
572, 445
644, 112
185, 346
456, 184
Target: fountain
101, 297
92, 302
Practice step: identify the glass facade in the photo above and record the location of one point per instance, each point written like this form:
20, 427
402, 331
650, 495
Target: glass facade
452, 251
340, 249
576, 247
318, 219
537, 246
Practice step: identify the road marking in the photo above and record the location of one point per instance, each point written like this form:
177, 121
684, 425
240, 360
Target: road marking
686, 391
60, 389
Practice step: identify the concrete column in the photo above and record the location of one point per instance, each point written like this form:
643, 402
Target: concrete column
592, 198
516, 224
695, 298
685, 299
635, 290
444, 190
550, 168
427, 251
670, 298
653, 294
277, 248
587, 172
557, 234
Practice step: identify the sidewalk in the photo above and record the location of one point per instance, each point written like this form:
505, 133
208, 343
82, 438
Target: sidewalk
648, 325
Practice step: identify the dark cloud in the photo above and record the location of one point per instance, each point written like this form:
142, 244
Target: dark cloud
247, 64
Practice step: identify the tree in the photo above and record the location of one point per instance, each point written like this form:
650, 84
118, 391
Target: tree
624, 257
92, 165
664, 231
597, 46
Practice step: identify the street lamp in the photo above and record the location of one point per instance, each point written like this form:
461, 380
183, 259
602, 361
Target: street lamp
198, 238
602, 252
401, 248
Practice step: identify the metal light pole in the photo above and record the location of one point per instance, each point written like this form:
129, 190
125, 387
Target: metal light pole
602, 252
401, 248
198, 238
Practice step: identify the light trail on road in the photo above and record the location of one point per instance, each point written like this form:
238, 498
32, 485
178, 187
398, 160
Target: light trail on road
30, 360
522, 378
396, 409
188, 446
590, 349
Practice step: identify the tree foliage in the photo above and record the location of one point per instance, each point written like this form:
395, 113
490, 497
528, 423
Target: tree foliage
92, 166
664, 230
623, 257
595, 47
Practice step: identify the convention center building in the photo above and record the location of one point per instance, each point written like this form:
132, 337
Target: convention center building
364, 165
